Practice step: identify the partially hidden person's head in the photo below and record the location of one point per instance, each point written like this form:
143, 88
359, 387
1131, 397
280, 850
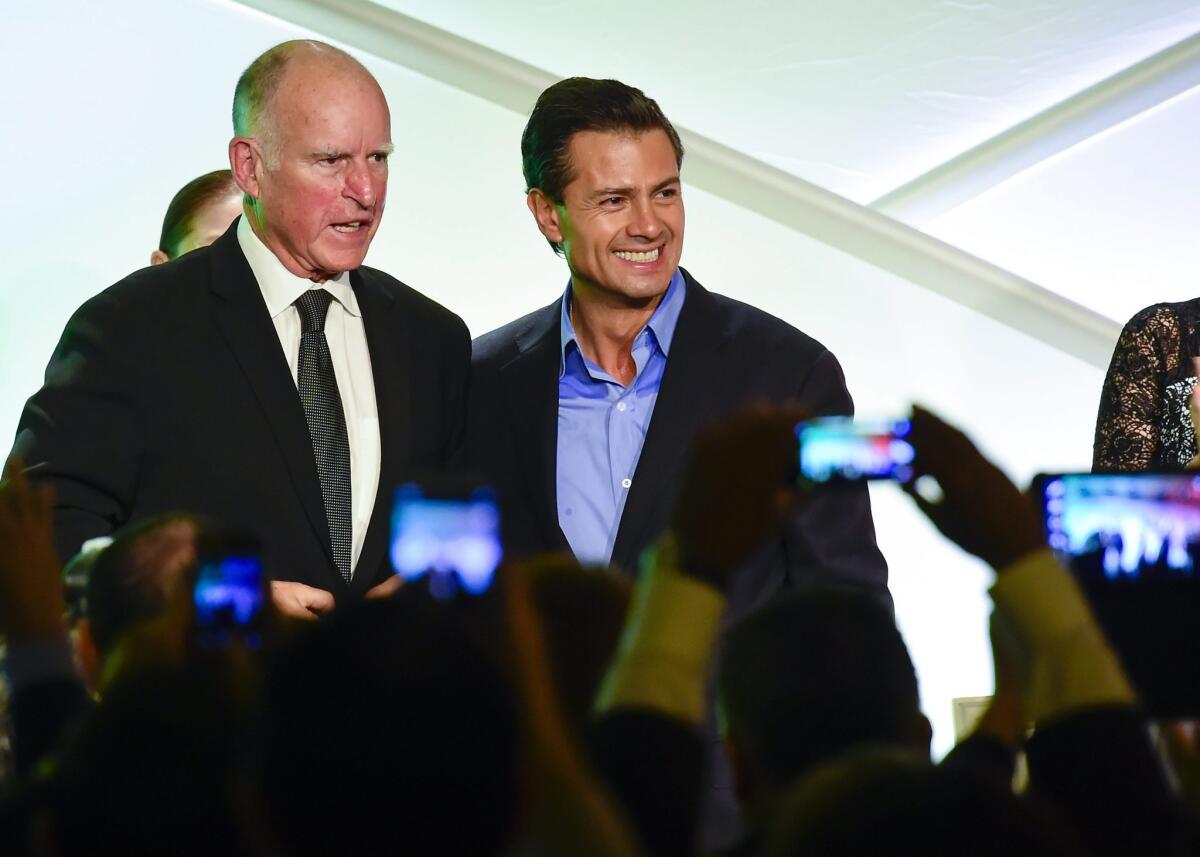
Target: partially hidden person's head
883, 800
388, 730
811, 674
130, 582
583, 612
312, 139
198, 215
601, 166
160, 765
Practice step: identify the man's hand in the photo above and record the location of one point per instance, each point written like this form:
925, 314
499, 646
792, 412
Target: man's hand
298, 601
735, 491
31, 599
981, 511
386, 589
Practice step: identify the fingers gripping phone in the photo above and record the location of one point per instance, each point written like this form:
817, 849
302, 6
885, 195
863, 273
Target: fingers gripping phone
451, 538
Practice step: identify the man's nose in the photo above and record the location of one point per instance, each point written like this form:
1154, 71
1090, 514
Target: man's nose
359, 185
645, 222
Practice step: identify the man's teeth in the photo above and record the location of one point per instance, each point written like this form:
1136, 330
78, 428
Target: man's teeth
347, 227
638, 257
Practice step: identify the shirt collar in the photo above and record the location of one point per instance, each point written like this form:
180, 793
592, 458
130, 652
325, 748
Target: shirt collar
661, 324
280, 287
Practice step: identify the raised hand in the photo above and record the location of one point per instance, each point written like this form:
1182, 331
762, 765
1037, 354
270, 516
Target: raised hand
31, 597
981, 511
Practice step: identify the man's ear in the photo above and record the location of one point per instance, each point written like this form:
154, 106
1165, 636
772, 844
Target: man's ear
158, 257
245, 160
545, 212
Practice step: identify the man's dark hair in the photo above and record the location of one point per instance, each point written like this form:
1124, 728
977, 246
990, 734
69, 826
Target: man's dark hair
583, 104
130, 580
811, 674
193, 196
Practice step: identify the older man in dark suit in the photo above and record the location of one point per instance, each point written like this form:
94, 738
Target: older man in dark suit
270, 380
581, 411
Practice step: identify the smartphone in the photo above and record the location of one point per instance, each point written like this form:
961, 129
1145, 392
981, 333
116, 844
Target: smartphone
451, 538
1132, 540
842, 449
229, 592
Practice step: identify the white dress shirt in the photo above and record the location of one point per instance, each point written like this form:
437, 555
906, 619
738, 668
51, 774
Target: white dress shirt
351, 365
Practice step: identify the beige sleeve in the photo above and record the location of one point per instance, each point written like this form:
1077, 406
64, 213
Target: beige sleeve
663, 658
1045, 623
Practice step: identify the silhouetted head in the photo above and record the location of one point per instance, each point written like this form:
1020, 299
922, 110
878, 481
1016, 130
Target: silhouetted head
811, 674
131, 580
582, 611
882, 800
159, 766
387, 730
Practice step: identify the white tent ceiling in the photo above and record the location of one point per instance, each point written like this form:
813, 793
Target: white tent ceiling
859, 97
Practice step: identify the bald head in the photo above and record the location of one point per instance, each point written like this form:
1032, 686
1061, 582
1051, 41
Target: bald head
255, 95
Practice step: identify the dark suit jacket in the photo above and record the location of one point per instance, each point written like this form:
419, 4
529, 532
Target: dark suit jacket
724, 356
169, 391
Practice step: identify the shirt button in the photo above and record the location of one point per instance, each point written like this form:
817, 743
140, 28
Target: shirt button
625, 483
621, 407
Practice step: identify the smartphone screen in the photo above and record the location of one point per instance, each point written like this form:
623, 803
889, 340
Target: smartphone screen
1132, 540
842, 449
454, 540
228, 597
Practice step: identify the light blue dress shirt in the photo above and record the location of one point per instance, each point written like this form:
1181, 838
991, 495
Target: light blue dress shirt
602, 425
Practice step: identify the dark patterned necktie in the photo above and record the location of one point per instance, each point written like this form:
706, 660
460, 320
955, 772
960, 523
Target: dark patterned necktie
326, 422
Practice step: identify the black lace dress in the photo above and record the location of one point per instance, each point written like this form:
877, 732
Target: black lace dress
1143, 423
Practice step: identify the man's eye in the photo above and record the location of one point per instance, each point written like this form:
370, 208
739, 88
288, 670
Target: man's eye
669, 192
379, 157
330, 161
612, 200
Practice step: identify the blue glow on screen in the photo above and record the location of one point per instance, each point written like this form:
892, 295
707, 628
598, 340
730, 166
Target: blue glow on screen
446, 536
229, 588
1132, 521
841, 448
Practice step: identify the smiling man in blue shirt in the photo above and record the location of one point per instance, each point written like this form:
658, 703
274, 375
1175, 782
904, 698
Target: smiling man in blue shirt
602, 423
581, 412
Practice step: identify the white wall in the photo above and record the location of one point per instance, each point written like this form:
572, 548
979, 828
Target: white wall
118, 104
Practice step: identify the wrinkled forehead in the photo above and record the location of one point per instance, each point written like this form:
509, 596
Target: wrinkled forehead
328, 105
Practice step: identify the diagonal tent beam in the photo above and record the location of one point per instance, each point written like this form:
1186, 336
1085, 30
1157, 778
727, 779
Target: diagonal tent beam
773, 193
1104, 105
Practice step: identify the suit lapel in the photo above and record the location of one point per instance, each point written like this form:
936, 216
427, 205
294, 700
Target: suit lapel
389, 344
242, 318
685, 402
530, 383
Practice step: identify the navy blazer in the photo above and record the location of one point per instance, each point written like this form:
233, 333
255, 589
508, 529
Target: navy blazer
169, 392
724, 356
